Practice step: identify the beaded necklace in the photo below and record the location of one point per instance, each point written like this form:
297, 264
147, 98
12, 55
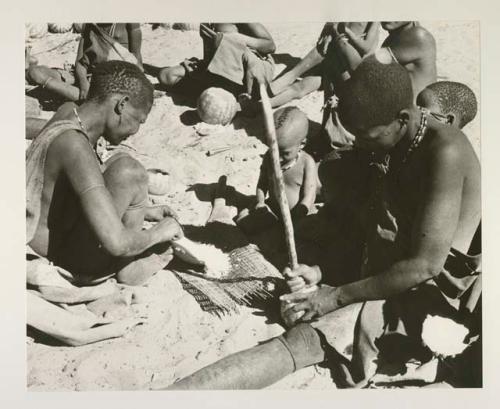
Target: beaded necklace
80, 121
419, 136
415, 143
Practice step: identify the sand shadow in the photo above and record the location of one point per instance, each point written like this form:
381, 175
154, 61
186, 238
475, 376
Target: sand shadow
205, 192
48, 101
190, 117
225, 236
40, 337
287, 59
252, 125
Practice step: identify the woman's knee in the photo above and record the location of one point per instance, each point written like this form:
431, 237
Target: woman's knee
126, 170
304, 344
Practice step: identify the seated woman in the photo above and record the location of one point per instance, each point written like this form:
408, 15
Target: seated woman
339, 51
86, 216
234, 55
99, 42
344, 43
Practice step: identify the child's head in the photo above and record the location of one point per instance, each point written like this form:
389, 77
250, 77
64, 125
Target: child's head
373, 101
125, 94
453, 101
393, 25
292, 127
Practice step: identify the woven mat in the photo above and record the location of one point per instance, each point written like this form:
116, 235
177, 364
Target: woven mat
251, 278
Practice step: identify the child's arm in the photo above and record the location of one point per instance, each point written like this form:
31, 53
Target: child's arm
257, 37
364, 45
308, 189
135, 40
309, 183
81, 71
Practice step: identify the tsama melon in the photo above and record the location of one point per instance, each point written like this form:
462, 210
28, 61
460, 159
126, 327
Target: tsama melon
217, 106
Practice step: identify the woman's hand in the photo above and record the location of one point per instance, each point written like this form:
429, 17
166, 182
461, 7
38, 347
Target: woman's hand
158, 213
307, 305
302, 277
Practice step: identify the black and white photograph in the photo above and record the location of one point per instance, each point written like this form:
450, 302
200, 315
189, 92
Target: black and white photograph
227, 205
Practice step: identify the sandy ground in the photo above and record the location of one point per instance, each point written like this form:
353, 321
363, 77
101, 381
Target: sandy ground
177, 337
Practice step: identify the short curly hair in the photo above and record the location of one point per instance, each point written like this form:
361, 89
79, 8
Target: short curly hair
291, 124
451, 97
375, 93
120, 77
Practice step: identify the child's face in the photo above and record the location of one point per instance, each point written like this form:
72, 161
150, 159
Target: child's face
288, 154
127, 123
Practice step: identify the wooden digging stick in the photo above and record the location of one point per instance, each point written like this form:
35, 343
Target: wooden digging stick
272, 143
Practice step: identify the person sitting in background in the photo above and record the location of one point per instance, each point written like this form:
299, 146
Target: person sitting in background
85, 216
99, 42
235, 57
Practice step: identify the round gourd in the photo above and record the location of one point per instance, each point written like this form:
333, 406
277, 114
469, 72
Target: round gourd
186, 26
217, 106
60, 27
36, 30
158, 182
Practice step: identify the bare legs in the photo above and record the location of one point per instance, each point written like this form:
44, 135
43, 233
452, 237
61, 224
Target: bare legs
261, 365
126, 179
312, 59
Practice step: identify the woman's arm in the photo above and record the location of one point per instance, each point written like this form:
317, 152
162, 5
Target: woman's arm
135, 40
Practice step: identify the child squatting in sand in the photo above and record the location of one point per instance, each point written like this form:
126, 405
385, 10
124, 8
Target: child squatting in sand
299, 174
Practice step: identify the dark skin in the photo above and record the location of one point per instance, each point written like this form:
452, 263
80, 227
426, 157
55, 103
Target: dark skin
299, 180
349, 46
76, 88
428, 100
254, 35
97, 218
129, 35
414, 48
442, 182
